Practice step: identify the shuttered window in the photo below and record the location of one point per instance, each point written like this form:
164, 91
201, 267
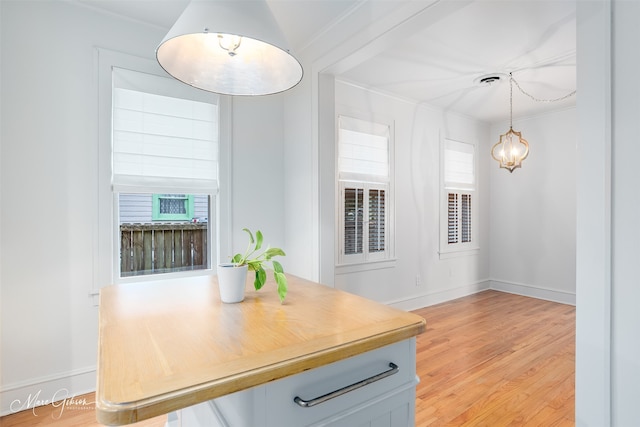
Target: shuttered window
459, 186
364, 152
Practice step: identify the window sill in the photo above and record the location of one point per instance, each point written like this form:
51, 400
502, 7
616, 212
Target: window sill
357, 267
168, 275
459, 253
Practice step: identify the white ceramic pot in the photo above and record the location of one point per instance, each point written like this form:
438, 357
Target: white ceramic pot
232, 281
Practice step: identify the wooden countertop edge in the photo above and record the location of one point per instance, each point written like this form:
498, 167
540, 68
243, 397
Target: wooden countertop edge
130, 412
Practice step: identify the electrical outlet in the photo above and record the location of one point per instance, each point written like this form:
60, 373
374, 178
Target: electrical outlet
418, 280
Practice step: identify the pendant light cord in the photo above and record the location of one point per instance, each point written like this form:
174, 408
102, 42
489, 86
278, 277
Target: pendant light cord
562, 98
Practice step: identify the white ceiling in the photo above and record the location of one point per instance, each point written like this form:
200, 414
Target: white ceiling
440, 62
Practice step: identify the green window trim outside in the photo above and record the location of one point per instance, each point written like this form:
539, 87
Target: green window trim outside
186, 207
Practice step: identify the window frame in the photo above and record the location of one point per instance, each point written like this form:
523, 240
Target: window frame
106, 228
156, 215
460, 190
366, 260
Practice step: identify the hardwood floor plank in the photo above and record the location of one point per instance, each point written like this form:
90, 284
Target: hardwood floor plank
77, 412
496, 359
490, 359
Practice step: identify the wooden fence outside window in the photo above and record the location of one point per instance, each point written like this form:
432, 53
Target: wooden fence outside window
162, 248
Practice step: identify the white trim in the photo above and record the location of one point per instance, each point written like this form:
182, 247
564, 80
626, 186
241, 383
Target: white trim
458, 253
440, 296
224, 202
357, 267
41, 391
538, 292
445, 295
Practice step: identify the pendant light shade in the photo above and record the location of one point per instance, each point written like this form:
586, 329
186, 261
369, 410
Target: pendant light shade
229, 47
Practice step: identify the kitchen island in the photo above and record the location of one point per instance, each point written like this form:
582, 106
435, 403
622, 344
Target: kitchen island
171, 346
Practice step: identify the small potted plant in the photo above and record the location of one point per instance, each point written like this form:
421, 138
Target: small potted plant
232, 277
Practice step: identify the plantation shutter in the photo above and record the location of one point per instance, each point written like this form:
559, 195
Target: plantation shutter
162, 138
465, 217
353, 220
377, 219
452, 218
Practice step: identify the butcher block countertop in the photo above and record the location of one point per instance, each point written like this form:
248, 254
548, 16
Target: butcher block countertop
169, 344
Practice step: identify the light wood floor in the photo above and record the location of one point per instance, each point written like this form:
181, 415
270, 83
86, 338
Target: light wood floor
489, 359
496, 359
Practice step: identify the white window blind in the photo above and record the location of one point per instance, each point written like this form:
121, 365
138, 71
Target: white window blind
363, 149
160, 138
459, 165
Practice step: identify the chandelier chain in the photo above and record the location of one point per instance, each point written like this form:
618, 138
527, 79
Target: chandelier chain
511, 80
562, 98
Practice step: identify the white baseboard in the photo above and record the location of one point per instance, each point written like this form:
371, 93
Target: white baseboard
438, 297
534, 292
41, 391
498, 285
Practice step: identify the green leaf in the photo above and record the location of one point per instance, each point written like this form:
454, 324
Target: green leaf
277, 267
271, 252
254, 265
281, 280
258, 239
250, 234
261, 278
237, 259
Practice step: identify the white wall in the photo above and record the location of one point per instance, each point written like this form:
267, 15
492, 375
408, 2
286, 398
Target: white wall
533, 211
49, 186
258, 171
299, 183
49, 181
419, 130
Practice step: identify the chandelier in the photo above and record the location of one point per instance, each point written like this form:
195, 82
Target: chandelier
512, 148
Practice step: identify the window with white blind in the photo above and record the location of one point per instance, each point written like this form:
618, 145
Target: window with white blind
364, 183
164, 158
458, 212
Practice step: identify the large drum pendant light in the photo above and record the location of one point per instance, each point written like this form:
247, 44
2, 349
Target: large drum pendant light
229, 47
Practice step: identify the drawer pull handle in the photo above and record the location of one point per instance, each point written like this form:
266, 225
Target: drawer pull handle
313, 402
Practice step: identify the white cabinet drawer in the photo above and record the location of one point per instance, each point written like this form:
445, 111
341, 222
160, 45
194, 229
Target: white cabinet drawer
389, 401
280, 395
